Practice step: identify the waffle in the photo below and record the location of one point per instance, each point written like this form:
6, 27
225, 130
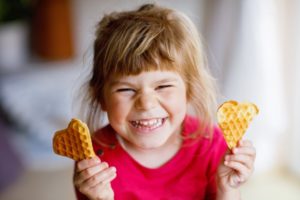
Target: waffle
234, 118
74, 141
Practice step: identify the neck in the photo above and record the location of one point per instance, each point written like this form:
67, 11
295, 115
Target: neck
148, 157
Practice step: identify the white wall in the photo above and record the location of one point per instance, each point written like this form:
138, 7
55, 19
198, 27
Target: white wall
88, 12
292, 73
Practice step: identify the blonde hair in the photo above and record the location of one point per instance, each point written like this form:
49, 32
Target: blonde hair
151, 38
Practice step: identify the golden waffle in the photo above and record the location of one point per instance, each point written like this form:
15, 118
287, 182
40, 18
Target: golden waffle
74, 142
234, 118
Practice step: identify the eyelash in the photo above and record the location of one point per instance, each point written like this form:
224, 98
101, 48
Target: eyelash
132, 90
163, 86
125, 90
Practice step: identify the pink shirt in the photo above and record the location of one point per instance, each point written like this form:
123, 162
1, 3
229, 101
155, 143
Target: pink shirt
190, 174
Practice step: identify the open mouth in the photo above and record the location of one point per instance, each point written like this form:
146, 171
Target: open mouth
148, 124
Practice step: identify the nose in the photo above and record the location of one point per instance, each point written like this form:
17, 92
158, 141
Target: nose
146, 101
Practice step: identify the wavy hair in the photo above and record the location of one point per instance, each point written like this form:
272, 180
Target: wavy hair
146, 39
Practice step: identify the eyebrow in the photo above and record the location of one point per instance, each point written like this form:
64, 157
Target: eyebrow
120, 83
113, 83
167, 80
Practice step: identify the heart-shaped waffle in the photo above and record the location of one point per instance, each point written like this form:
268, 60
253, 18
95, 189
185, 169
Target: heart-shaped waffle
74, 141
234, 118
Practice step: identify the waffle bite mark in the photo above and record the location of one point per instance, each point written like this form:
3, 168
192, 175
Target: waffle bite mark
234, 118
74, 141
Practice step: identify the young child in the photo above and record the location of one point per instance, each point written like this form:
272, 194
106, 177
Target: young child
148, 72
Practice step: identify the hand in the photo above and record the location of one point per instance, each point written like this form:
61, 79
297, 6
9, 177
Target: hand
93, 177
237, 166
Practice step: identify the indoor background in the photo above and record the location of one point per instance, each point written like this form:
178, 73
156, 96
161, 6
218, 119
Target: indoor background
46, 51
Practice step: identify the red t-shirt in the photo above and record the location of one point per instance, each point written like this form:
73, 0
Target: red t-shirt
190, 174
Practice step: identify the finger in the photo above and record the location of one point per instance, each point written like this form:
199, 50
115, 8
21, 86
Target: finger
110, 178
89, 172
102, 177
86, 163
246, 160
241, 170
245, 143
228, 152
104, 186
90, 184
250, 151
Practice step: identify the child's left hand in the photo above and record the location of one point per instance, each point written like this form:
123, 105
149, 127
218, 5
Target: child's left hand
237, 166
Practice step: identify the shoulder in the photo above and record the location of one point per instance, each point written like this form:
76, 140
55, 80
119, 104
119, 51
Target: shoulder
104, 139
218, 142
218, 137
212, 143
191, 124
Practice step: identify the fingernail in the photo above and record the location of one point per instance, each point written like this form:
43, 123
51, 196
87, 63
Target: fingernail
96, 159
226, 163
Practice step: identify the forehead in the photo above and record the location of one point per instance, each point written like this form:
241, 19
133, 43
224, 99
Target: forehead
147, 77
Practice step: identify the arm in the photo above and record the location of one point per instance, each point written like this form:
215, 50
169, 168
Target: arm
92, 179
234, 194
235, 170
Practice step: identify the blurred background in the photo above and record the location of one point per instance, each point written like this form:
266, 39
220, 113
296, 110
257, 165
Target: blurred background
46, 52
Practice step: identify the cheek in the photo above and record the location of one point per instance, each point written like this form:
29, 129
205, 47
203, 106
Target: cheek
117, 109
176, 102
179, 106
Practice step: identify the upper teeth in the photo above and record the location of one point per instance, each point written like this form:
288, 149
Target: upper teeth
151, 122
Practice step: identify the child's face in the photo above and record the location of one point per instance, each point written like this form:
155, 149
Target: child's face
146, 109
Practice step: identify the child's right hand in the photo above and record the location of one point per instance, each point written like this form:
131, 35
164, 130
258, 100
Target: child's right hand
93, 177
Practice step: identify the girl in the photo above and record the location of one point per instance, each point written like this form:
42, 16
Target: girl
148, 71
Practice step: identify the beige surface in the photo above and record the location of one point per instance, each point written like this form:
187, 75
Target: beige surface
275, 185
37, 185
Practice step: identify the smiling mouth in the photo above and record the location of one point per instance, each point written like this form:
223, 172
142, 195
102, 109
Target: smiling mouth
148, 124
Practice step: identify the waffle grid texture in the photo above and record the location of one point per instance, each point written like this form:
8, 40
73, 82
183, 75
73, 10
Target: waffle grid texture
74, 141
234, 118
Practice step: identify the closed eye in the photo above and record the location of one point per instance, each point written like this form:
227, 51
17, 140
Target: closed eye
125, 90
163, 87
